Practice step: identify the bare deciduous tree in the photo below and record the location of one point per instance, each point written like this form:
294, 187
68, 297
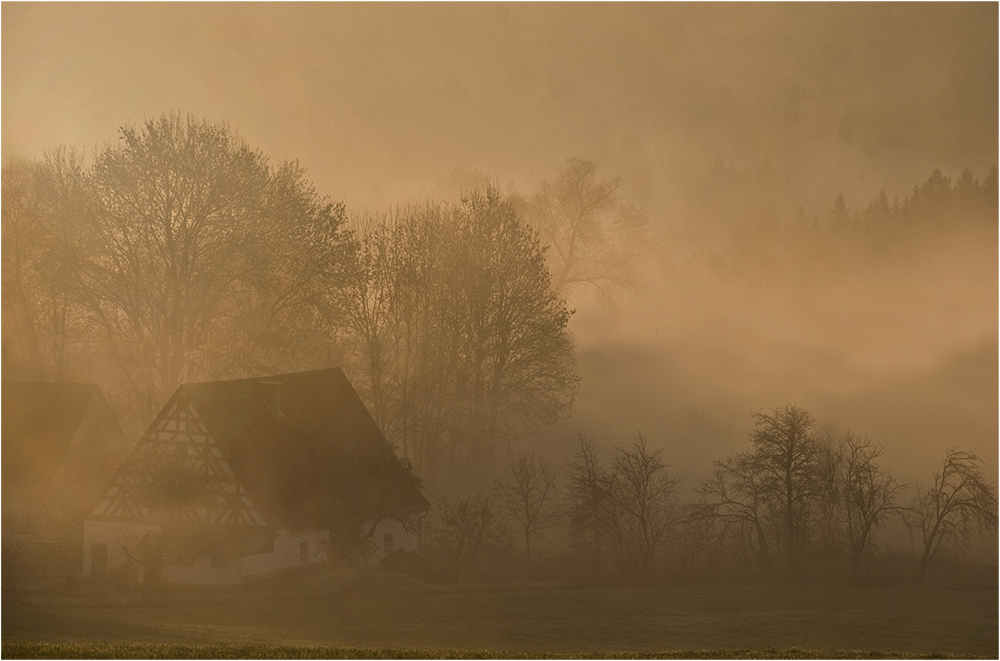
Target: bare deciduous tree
786, 448
626, 510
592, 239
462, 339
527, 490
737, 497
468, 529
367, 302
644, 492
867, 492
47, 331
829, 499
765, 500
958, 504
401, 311
180, 253
207, 259
592, 520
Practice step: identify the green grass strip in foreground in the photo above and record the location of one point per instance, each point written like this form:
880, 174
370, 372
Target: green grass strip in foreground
104, 650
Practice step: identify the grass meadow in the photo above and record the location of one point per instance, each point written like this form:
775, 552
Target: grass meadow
316, 617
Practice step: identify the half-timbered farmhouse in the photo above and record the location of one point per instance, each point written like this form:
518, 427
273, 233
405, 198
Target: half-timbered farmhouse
237, 480
60, 444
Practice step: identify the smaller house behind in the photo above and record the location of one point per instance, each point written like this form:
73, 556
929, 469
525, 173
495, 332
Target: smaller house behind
61, 443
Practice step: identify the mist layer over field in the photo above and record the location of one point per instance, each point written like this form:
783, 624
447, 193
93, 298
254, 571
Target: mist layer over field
902, 351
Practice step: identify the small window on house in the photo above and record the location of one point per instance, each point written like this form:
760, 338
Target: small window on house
219, 561
304, 551
387, 543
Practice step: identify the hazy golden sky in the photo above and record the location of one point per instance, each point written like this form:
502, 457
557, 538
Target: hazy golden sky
380, 101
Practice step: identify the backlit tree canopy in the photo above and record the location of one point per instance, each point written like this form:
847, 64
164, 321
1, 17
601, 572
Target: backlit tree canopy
462, 340
189, 257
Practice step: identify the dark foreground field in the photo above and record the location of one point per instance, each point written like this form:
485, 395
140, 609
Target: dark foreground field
317, 617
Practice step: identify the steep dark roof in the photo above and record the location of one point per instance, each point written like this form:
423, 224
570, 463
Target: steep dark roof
302, 443
41, 461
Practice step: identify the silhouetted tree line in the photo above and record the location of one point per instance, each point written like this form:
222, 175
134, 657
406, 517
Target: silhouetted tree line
880, 231
794, 506
939, 202
937, 209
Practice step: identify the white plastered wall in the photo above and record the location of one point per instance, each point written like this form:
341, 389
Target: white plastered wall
287, 554
404, 537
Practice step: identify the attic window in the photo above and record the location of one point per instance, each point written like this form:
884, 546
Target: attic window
270, 392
